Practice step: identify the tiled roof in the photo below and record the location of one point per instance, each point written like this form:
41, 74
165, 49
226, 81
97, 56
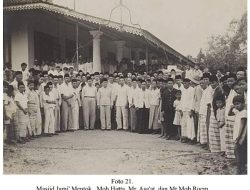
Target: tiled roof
99, 21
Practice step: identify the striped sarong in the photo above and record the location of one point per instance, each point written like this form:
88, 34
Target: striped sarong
23, 123
229, 138
202, 129
214, 135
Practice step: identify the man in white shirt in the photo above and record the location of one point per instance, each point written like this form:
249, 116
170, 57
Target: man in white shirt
23, 126
57, 94
52, 70
121, 99
89, 94
104, 104
113, 85
25, 72
76, 103
18, 78
49, 106
186, 106
154, 101
178, 83
142, 106
131, 98
67, 95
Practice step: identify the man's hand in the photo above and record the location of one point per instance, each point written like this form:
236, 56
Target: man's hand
181, 113
25, 111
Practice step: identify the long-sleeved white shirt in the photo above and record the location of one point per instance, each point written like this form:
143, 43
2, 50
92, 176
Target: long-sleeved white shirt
89, 91
142, 98
154, 97
104, 96
205, 99
121, 95
187, 99
132, 95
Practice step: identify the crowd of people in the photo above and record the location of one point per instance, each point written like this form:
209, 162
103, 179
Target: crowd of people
197, 107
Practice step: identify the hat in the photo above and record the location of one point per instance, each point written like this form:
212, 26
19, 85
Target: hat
194, 80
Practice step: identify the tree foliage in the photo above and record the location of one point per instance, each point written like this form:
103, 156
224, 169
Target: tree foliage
227, 51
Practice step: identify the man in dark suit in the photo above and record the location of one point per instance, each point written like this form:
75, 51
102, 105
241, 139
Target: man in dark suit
168, 98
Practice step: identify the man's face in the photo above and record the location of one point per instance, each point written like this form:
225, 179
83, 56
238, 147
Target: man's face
45, 77
178, 81
66, 79
24, 67
55, 81
134, 83
21, 88
104, 84
186, 84
58, 69
129, 81
122, 81
243, 85
170, 84
19, 77
206, 81
143, 85
74, 84
214, 84
90, 82
47, 90
60, 80
79, 78
239, 106
31, 86
51, 87
111, 80
230, 82
240, 74
203, 85
129, 75
139, 84
5, 88
153, 84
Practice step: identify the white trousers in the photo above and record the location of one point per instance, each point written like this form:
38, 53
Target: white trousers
105, 114
122, 117
49, 123
89, 106
75, 116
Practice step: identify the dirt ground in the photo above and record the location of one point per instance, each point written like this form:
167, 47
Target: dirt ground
111, 152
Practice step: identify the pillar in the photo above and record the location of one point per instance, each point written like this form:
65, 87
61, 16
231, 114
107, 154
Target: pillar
119, 50
96, 50
22, 44
137, 55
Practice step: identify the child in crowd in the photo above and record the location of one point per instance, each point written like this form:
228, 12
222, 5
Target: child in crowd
240, 133
49, 105
33, 106
220, 115
23, 128
177, 118
9, 111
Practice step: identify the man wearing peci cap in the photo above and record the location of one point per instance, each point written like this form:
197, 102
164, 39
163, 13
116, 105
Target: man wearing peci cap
104, 103
89, 94
167, 107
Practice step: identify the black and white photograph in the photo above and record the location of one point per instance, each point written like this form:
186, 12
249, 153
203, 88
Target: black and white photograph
124, 87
